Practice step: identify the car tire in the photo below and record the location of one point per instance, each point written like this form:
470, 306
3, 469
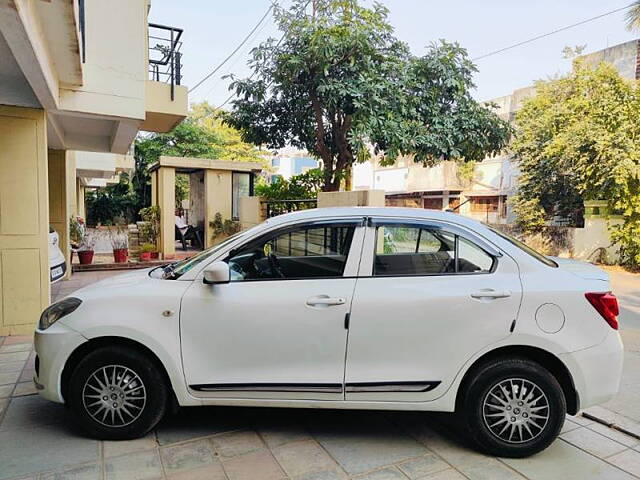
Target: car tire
513, 408
117, 393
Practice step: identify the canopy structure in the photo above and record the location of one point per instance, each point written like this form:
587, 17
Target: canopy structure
215, 186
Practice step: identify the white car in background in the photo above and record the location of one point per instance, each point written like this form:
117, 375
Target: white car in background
352, 308
57, 262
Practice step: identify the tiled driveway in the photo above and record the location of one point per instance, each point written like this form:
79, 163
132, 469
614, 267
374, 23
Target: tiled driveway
38, 440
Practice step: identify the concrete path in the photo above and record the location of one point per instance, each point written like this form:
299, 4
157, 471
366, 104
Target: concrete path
38, 438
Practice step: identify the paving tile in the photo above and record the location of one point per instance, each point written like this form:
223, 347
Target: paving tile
186, 456
9, 378
423, 466
192, 423
13, 357
454, 451
16, 347
25, 388
628, 425
580, 420
564, 461
208, 472
5, 390
333, 474
386, 474
85, 472
120, 447
449, 474
303, 458
27, 375
361, 443
29, 450
138, 466
276, 435
34, 411
12, 339
236, 443
568, 425
593, 442
614, 434
628, 461
10, 367
251, 466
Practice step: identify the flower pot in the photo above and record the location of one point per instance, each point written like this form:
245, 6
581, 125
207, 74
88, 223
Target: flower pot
145, 256
85, 257
120, 255
154, 255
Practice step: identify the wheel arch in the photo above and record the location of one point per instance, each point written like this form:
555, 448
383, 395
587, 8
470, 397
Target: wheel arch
544, 358
110, 341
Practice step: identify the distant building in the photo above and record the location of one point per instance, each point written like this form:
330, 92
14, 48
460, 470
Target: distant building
288, 162
495, 179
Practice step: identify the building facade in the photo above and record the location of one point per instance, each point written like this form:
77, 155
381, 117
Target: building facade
76, 76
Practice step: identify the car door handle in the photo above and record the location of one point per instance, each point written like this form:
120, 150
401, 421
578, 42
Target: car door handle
491, 294
325, 301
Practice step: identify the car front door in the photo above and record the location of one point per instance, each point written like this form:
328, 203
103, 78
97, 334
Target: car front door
277, 330
429, 297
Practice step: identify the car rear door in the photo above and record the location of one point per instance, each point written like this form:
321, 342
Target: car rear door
429, 296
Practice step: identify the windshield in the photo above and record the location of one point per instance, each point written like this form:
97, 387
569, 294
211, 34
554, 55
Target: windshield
178, 269
526, 248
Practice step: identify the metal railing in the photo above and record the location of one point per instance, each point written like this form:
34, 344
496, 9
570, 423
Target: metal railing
279, 207
164, 55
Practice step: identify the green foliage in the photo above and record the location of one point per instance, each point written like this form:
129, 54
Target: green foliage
299, 187
150, 229
111, 204
148, 247
222, 227
201, 135
341, 86
577, 140
76, 232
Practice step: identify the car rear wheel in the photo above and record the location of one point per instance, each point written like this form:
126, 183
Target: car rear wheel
117, 393
513, 408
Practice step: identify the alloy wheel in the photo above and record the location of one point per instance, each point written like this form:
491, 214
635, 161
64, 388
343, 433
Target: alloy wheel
515, 410
114, 396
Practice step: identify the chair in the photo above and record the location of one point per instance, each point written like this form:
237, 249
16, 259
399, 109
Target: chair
191, 235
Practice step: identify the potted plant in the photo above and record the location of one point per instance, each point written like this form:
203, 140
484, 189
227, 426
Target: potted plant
150, 228
76, 233
85, 250
120, 244
145, 251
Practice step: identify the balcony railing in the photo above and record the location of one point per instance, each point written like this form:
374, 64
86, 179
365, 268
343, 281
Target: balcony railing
164, 55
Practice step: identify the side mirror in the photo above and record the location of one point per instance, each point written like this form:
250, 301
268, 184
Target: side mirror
215, 273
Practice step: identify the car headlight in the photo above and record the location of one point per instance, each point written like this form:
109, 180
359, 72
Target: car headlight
55, 312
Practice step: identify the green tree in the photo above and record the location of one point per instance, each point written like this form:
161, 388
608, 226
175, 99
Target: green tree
341, 86
304, 186
201, 135
576, 140
633, 16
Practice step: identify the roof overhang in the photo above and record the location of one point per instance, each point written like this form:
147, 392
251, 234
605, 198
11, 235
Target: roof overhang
190, 164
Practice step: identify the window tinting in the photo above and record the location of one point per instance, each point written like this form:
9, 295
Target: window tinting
410, 250
526, 248
307, 252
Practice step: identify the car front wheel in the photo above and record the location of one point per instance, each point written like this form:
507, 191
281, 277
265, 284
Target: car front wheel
513, 408
117, 393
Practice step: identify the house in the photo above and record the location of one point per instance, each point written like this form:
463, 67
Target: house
78, 80
290, 161
485, 194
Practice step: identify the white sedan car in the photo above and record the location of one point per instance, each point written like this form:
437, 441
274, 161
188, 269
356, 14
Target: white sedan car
359, 308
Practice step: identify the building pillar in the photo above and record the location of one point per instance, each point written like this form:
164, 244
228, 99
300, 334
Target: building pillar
24, 219
166, 199
80, 203
217, 199
61, 198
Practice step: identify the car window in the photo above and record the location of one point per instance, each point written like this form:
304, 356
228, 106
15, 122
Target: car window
414, 250
312, 251
525, 248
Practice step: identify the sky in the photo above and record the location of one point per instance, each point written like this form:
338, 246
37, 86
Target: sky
214, 28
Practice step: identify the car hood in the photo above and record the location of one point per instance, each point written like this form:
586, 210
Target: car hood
128, 279
581, 268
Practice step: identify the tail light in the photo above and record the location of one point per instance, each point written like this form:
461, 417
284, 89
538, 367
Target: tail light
607, 305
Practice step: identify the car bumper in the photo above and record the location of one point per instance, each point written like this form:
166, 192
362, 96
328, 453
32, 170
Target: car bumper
60, 270
53, 347
597, 370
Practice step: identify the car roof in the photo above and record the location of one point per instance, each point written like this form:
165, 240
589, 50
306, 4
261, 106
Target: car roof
399, 212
